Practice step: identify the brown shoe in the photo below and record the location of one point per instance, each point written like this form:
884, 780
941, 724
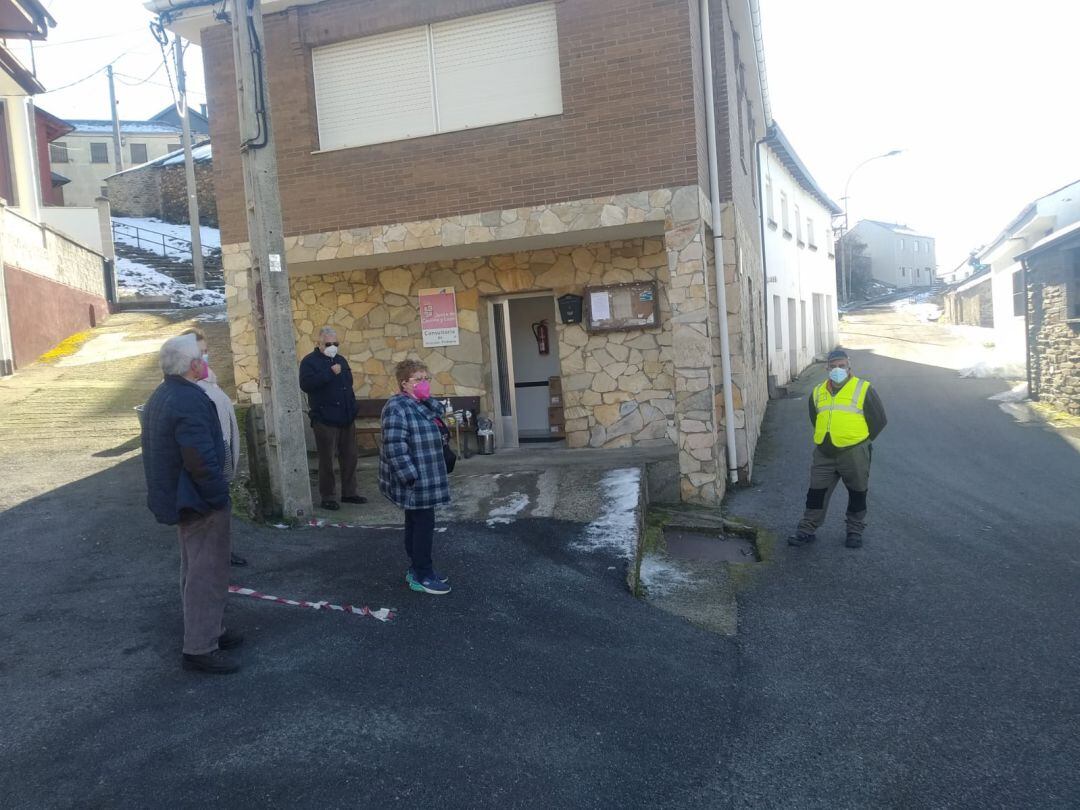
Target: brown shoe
217, 662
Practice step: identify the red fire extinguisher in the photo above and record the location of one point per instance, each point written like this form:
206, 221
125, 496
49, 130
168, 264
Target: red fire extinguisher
540, 331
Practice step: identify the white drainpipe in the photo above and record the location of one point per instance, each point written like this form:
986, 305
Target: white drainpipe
718, 246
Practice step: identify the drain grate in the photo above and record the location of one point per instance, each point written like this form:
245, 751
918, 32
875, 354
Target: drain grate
686, 544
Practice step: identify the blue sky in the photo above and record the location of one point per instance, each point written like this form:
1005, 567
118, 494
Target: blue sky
980, 95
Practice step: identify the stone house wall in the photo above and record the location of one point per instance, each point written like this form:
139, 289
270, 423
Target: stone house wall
135, 193
161, 191
617, 386
1053, 341
173, 181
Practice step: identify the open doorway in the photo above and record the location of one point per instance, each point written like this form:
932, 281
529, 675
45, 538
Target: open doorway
525, 355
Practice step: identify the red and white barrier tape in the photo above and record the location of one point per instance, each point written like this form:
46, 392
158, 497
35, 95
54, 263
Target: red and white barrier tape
382, 614
323, 523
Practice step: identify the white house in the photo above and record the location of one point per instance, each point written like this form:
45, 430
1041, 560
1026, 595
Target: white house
899, 256
800, 267
86, 156
1041, 218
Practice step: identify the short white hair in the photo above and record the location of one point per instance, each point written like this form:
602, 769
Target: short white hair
177, 353
327, 331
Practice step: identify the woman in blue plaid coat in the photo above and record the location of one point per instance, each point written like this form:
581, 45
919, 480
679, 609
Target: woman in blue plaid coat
412, 470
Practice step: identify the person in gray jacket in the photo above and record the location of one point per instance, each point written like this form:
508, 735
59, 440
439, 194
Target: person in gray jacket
230, 428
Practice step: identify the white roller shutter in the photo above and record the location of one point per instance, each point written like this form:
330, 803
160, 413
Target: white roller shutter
497, 67
374, 89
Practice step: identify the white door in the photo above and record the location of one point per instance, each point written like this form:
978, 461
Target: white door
502, 373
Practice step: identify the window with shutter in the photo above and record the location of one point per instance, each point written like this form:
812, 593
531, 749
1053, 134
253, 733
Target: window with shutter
497, 67
99, 153
470, 72
138, 153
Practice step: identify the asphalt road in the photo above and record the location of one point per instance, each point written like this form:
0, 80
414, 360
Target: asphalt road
939, 666
539, 682
936, 667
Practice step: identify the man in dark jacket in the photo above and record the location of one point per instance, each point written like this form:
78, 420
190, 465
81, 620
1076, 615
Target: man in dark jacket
326, 378
183, 458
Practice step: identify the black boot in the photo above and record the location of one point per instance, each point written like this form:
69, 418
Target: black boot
217, 662
801, 538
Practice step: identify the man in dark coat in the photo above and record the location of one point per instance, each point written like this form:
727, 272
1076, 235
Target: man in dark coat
184, 459
326, 378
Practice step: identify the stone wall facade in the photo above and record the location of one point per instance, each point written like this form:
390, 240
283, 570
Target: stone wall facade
161, 191
617, 386
1054, 338
655, 386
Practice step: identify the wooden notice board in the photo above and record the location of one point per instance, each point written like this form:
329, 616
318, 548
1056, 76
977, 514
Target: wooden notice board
622, 307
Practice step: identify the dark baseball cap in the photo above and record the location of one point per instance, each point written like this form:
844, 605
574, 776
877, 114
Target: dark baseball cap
838, 354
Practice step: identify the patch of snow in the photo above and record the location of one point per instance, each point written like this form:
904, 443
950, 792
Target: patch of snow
1017, 394
994, 369
660, 576
510, 507
617, 527
921, 306
138, 279
152, 241
197, 153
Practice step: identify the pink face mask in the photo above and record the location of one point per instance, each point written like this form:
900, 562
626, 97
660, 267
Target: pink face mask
422, 389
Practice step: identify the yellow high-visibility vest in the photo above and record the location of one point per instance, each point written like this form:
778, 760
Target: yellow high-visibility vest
841, 416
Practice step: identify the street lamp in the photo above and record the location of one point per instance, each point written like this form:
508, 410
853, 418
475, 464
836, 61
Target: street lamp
845, 271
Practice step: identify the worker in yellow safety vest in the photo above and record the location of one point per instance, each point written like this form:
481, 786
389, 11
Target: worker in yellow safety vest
847, 416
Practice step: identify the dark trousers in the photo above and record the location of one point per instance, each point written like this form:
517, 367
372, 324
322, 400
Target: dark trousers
331, 441
419, 533
852, 466
205, 544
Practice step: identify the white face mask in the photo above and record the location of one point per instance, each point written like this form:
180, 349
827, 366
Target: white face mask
330, 351
838, 375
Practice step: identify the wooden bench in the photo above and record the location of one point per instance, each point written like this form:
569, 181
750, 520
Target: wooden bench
369, 411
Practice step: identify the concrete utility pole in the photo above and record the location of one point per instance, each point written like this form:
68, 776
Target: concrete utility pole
189, 167
269, 285
118, 153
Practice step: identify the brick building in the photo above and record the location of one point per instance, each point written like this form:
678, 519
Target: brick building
515, 153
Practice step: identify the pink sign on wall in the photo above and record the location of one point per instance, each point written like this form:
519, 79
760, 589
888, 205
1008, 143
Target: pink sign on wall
438, 317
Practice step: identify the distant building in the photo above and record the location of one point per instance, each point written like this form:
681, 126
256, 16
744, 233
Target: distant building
800, 268
200, 124
899, 256
86, 155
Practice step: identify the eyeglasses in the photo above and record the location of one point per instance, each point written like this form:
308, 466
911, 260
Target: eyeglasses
425, 378
335, 343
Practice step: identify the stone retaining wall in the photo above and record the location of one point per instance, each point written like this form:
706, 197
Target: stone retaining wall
1054, 342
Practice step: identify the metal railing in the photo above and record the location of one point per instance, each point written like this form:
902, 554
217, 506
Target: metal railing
163, 244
